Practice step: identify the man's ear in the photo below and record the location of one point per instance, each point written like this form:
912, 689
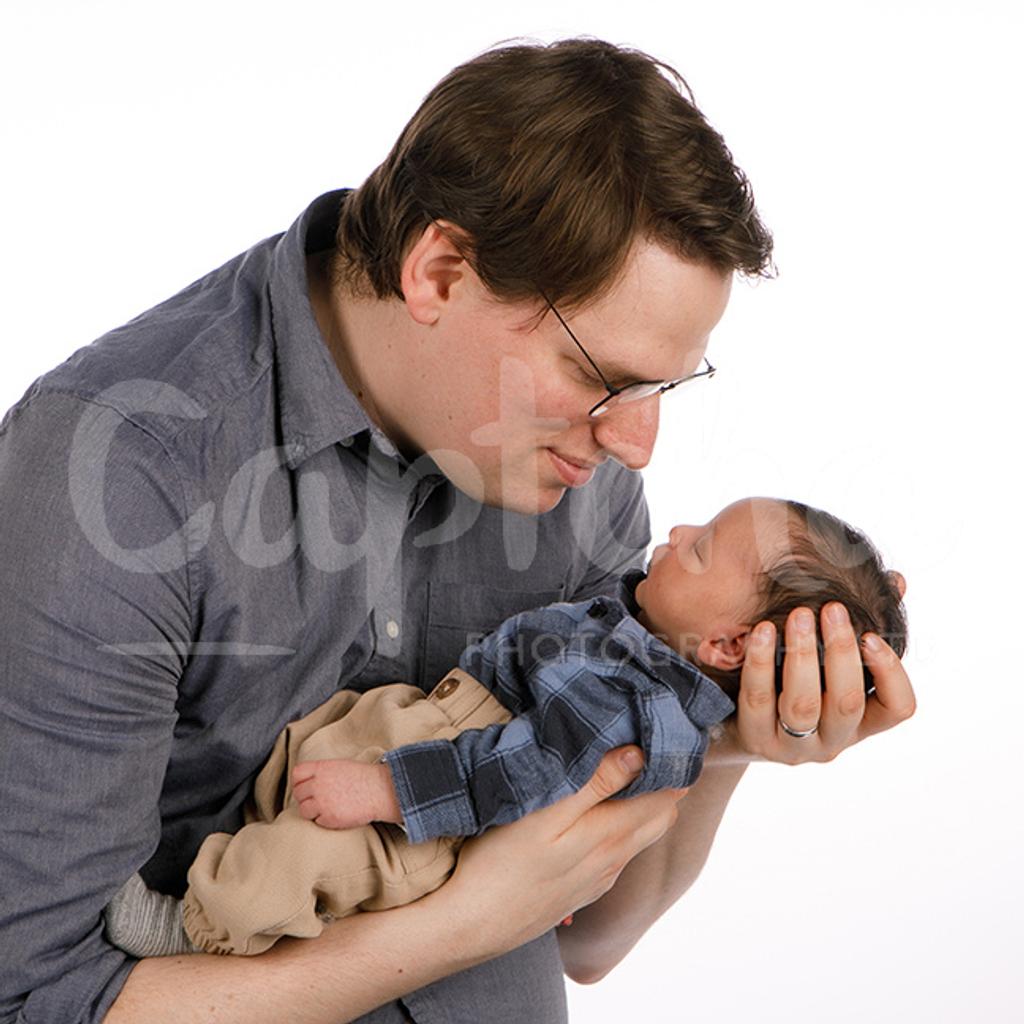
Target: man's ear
430, 269
725, 651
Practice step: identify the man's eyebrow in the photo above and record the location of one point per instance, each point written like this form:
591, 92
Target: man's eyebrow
619, 374
614, 373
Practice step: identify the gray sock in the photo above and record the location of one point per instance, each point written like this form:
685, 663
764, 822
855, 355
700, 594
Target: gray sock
144, 922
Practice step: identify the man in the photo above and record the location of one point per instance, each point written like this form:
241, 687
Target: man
334, 461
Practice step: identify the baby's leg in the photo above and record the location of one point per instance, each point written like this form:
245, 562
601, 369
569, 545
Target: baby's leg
339, 793
289, 876
146, 923
281, 874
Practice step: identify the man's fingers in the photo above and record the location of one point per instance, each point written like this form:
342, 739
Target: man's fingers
800, 702
893, 700
617, 769
600, 843
625, 826
756, 705
630, 826
844, 679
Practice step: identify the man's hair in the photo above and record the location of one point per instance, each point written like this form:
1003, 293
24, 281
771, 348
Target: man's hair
826, 560
550, 161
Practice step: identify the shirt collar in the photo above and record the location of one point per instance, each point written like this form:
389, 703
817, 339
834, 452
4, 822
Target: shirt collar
704, 700
315, 406
630, 580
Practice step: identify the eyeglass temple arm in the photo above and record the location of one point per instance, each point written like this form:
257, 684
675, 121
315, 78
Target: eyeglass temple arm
709, 372
610, 388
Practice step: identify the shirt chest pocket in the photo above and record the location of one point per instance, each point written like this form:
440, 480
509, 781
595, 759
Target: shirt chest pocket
459, 614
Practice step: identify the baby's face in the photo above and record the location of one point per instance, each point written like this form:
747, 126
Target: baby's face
702, 584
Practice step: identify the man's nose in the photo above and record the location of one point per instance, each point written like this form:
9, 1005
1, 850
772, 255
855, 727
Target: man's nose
627, 432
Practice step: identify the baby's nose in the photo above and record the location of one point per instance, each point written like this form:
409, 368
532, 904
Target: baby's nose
676, 535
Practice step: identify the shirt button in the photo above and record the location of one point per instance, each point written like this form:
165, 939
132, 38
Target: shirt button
391, 628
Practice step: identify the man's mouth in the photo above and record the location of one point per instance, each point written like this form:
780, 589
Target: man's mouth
574, 473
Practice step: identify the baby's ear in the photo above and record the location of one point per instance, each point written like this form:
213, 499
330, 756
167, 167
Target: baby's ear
724, 652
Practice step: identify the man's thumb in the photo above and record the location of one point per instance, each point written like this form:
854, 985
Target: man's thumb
616, 770
632, 760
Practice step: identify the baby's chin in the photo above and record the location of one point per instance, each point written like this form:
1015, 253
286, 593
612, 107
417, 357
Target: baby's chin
638, 597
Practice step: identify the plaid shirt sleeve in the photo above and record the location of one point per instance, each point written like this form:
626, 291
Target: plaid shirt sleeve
580, 679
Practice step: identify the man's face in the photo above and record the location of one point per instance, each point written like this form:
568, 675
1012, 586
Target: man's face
703, 583
502, 407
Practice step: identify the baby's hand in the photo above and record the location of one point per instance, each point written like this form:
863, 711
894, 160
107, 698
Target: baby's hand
345, 794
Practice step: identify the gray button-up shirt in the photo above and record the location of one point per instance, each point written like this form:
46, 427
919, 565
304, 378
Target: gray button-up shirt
201, 538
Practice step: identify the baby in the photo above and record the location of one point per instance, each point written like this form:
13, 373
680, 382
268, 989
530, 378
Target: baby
364, 803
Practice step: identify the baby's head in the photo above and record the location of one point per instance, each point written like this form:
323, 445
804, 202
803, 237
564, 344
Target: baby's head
759, 559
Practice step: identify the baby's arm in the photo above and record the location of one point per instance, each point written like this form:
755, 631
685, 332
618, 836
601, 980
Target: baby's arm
346, 794
339, 793
580, 679
570, 709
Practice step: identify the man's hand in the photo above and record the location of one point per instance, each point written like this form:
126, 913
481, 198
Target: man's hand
528, 876
841, 712
605, 931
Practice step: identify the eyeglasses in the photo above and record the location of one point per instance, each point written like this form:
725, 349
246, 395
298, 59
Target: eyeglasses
631, 392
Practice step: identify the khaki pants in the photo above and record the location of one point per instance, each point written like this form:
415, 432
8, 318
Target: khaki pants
282, 874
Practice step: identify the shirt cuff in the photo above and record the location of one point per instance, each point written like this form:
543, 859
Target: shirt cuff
432, 790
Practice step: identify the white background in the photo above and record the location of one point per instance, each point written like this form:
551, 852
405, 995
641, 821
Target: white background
878, 377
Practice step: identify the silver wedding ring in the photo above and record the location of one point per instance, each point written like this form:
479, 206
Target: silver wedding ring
799, 734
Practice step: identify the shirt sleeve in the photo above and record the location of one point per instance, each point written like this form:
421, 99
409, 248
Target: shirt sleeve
577, 691
94, 629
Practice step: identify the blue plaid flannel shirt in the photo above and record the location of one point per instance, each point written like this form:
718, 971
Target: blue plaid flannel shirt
580, 679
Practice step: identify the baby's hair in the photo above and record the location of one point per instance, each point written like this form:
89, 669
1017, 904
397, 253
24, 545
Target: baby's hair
826, 560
